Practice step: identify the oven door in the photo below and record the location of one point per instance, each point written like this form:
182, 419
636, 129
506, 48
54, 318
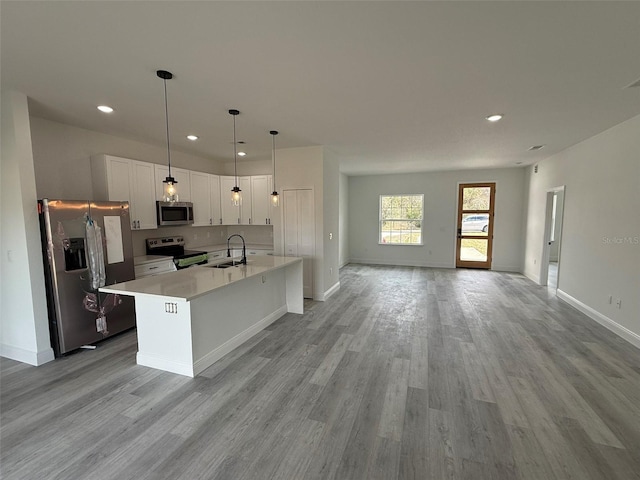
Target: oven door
174, 213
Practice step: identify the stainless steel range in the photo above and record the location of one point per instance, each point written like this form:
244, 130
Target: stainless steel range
174, 246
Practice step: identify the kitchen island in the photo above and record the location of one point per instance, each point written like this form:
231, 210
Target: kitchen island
189, 319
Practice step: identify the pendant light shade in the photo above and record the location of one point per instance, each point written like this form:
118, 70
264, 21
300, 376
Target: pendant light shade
170, 189
275, 198
236, 198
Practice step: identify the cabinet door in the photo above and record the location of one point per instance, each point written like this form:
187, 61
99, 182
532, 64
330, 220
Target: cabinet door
181, 175
230, 213
143, 204
118, 183
246, 217
118, 178
214, 184
299, 232
201, 198
261, 199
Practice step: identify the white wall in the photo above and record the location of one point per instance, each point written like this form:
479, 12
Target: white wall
600, 250
61, 156
304, 168
440, 191
250, 167
331, 214
343, 254
554, 249
24, 328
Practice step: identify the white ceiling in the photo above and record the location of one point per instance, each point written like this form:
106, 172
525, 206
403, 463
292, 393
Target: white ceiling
388, 86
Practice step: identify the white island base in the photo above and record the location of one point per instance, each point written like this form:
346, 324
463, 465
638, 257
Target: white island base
189, 319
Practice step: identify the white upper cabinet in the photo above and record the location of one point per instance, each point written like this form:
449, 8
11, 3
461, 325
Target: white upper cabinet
261, 199
216, 214
246, 217
181, 175
205, 196
142, 195
121, 179
230, 213
201, 198
140, 183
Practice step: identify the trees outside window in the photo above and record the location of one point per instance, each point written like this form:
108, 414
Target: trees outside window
401, 219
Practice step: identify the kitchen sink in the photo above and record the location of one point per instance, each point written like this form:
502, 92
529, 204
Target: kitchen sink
225, 265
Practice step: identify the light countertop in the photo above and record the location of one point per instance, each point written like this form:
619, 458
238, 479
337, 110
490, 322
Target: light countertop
193, 282
144, 259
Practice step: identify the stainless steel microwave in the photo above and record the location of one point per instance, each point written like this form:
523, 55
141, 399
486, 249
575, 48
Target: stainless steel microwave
174, 213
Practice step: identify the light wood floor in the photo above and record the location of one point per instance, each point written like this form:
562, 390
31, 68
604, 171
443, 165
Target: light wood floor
406, 373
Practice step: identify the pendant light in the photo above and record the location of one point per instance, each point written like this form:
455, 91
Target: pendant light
170, 189
275, 198
236, 199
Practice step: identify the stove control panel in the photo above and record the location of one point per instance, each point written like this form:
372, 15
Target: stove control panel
165, 242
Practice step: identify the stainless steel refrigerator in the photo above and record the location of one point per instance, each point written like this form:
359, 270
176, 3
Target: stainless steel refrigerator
79, 314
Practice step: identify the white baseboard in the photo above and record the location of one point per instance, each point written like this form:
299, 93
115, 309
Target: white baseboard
394, 263
506, 268
26, 356
213, 356
148, 360
331, 291
532, 277
622, 332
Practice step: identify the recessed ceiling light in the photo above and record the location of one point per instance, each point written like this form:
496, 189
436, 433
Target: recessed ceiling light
241, 154
495, 117
105, 108
193, 138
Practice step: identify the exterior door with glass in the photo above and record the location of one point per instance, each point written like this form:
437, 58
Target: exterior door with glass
474, 244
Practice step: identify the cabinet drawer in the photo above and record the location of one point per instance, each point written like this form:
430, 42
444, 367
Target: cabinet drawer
254, 251
154, 268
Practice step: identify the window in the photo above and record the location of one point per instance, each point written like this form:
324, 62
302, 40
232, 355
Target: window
401, 219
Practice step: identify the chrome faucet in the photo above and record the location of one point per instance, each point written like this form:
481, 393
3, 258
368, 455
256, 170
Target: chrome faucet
244, 248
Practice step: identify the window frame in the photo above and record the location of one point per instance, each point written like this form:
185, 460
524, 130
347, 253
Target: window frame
381, 220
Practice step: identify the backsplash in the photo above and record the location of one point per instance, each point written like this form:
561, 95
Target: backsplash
202, 236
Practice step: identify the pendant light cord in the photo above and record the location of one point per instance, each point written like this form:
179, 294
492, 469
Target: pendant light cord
235, 148
273, 141
166, 116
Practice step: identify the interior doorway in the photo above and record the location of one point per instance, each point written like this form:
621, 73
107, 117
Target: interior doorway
550, 265
474, 243
299, 232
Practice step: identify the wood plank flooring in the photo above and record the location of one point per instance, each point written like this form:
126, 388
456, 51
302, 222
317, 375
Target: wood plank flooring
405, 373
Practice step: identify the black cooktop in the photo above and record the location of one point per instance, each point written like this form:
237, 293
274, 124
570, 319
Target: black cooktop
172, 246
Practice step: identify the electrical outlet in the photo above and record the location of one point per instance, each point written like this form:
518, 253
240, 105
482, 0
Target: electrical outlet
618, 302
330, 236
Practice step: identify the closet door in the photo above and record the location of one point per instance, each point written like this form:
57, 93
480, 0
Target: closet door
299, 232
